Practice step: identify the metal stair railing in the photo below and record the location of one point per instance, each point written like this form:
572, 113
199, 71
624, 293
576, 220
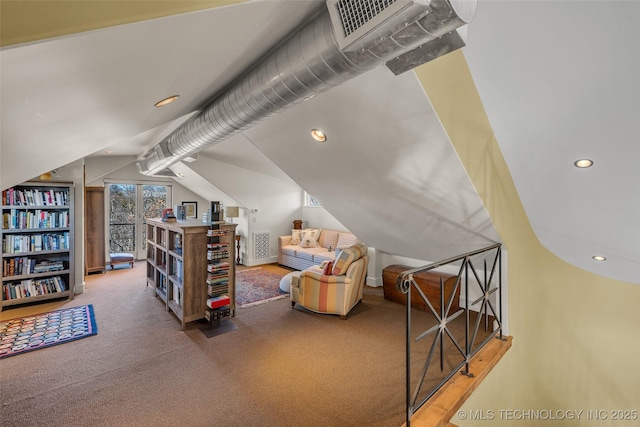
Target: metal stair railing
490, 311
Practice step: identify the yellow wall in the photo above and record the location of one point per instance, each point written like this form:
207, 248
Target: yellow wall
25, 21
575, 344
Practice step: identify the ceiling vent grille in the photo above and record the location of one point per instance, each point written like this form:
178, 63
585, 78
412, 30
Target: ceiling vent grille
361, 24
354, 14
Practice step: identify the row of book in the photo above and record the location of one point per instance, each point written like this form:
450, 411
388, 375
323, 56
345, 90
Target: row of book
33, 287
217, 289
22, 243
161, 284
217, 233
213, 315
216, 255
177, 244
25, 265
35, 197
177, 295
34, 219
177, 269
218, 268
219, 301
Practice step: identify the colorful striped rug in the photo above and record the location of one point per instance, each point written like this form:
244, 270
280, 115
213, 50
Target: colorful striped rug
38, 331
257, 286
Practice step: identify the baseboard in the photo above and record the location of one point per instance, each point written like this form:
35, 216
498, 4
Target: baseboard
262, 261
374, 282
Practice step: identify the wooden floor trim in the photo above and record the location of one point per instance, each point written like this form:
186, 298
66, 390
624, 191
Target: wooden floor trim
438, 411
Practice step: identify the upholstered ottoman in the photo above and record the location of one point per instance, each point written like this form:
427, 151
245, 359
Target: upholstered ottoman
285, 282
120, 258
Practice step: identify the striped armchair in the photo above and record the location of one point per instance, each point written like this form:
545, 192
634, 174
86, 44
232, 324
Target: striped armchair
333, 288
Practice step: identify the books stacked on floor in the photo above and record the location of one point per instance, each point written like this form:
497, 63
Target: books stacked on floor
33, 287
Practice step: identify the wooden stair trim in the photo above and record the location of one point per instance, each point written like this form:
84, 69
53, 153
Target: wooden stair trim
438, 411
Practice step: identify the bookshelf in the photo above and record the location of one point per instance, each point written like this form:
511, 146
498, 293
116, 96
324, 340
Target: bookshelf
37, 243
177, 266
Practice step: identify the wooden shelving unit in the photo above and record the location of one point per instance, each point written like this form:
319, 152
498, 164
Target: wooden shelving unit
37, 243
177, 266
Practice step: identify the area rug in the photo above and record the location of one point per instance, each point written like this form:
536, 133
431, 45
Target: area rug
38, 331
257, 286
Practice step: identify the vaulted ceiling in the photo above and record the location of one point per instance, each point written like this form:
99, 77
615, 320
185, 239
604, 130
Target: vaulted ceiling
558, 80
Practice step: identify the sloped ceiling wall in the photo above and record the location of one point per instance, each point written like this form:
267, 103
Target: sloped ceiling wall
402, 190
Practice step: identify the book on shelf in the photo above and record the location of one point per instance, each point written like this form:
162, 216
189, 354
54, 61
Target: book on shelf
216, 255
219, 301
217, 233
220, 266
34, 197
17, 219
218, 246
25, 265
46, 266
18, 243
217, 279
177, 294
33, 287
217, 314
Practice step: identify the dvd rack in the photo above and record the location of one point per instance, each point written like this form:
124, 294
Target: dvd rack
220, 274
37, 242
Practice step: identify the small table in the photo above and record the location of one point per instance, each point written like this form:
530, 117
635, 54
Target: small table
285, 282
120, 258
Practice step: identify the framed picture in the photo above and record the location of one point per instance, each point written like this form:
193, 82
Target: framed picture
190, 209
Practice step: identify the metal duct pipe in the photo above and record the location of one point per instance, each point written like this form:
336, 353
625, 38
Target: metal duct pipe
309, 62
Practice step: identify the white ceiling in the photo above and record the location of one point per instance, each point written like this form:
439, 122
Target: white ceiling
558, 80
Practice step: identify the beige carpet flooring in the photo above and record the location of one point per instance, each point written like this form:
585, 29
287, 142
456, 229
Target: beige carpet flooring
281, 367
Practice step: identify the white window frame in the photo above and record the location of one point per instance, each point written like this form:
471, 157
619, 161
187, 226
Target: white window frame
311, 202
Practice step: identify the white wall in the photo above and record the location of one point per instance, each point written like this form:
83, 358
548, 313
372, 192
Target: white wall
75, 172
268, 203
319, 217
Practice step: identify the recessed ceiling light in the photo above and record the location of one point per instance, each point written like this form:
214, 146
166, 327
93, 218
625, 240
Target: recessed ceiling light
599, 258
318, 135
583, 163
109, 151
166, 101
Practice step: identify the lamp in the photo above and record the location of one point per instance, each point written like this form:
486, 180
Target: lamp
232, 212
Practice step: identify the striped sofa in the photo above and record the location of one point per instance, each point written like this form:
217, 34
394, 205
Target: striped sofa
291, 254
334, 288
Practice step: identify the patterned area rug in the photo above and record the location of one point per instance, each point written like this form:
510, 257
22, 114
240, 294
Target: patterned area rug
257, 286
38, 331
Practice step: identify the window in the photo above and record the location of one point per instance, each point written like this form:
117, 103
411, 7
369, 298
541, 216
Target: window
310, 201
128, 206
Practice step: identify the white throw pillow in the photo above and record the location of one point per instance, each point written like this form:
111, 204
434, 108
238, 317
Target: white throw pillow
308, 239
296, 237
